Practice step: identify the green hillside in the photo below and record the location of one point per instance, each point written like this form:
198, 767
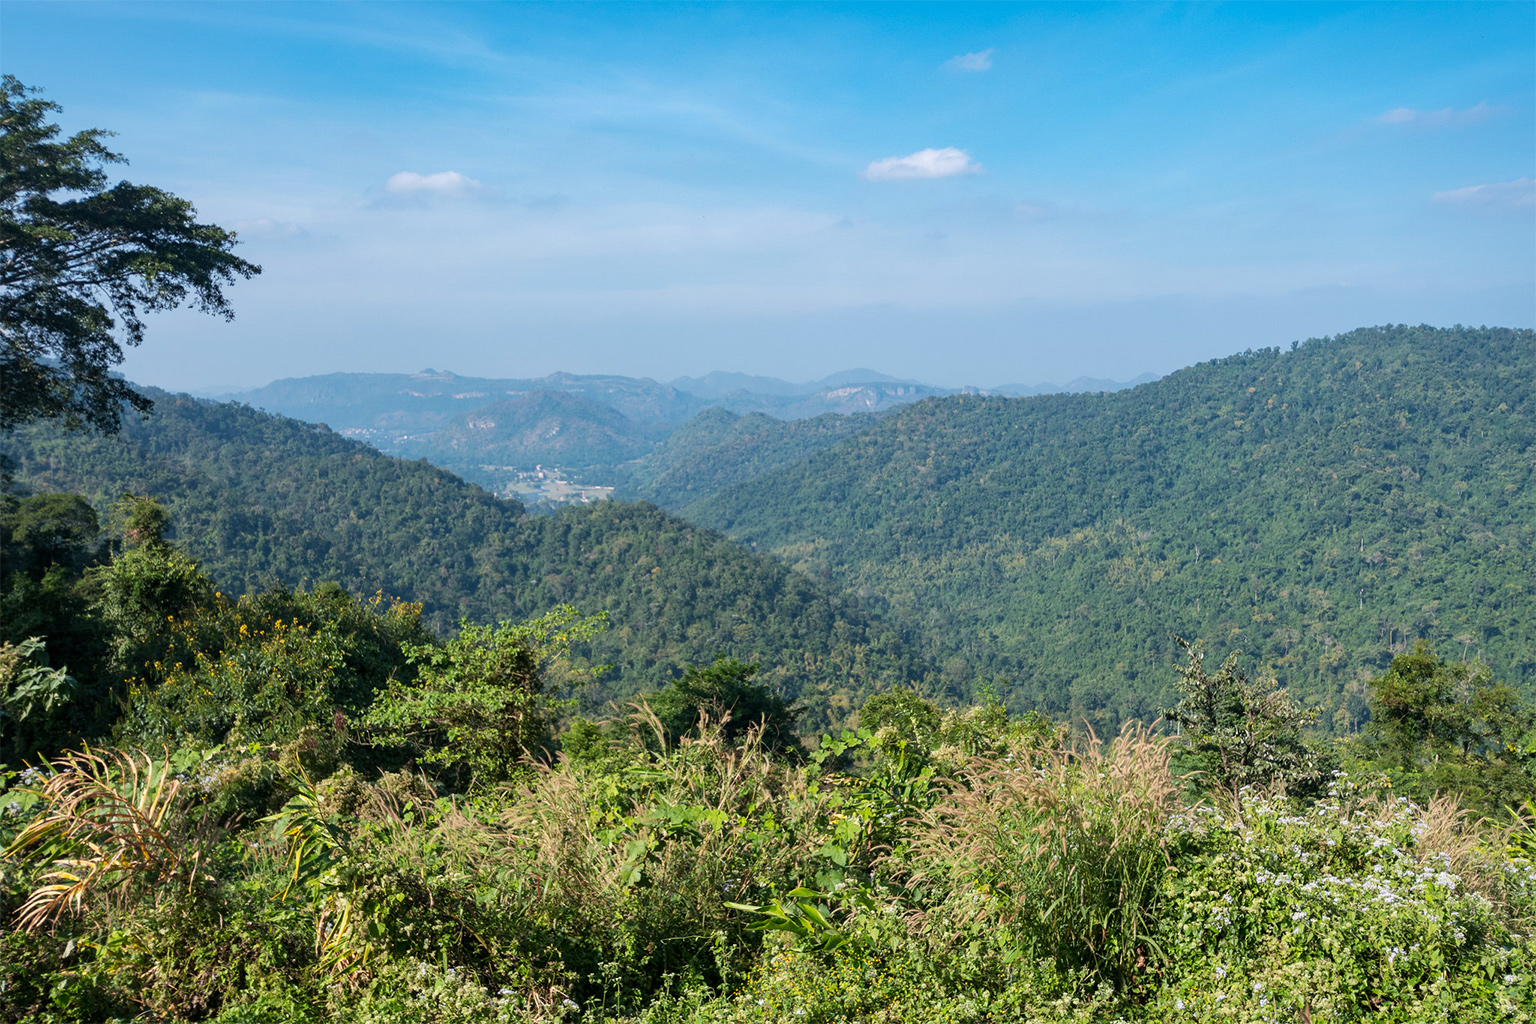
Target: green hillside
718, 448
1320, 508
260, 499
539, 427
418, 402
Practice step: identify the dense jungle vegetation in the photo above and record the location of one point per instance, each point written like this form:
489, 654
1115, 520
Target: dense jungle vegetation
301, 806
1050, 546
1322, 508
260, 500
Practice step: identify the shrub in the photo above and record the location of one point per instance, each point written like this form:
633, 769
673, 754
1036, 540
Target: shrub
1351, 909
261, 670
478, 704
1060, 854
1238, 732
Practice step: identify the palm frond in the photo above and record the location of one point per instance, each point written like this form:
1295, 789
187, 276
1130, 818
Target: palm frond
109, 817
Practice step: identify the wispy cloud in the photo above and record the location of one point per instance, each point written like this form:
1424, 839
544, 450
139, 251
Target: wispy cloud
1519, 194
925, 163
443, 183
980, 61
1449, 117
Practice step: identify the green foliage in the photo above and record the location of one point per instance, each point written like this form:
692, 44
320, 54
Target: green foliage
46, 541
146, 585
1038, 878
84, 261
1240, 732
1364, 907
43, 531
807, 916
912, 716
347, 924
585, 742
31, 698
905, 984
1061, 851
718, 448
724, 692
478, 704
1448, 727
257, 500
262, 670
139, 521
1320, 508
937, 863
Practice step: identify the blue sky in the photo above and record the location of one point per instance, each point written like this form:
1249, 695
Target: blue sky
963, 194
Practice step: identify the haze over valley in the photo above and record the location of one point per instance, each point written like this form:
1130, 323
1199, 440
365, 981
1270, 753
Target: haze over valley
509, 434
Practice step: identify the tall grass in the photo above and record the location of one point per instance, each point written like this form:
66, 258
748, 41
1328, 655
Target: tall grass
1031, 883
1061, 850
647, 856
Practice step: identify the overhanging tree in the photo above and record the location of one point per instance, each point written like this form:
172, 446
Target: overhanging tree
80, 263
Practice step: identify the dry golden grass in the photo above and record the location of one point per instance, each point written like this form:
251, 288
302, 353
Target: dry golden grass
1477, 850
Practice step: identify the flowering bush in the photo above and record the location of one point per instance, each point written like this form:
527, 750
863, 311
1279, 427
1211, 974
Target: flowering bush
1356, 907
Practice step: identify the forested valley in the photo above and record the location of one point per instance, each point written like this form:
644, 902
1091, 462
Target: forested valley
1323, 509
262, 501
1205, 701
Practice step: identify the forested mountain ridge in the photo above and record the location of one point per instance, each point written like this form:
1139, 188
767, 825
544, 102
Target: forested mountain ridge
1320, 508
423, 401
540, 426
594, 424
259, 499
718, 448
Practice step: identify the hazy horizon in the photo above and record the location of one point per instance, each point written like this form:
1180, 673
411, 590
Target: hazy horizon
957, 194
850, 375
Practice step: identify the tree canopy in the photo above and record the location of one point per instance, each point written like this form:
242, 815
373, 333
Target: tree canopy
81, 262
1321, 508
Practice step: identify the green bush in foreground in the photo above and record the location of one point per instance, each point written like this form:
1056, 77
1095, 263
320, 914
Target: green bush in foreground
341, 817
1043, 879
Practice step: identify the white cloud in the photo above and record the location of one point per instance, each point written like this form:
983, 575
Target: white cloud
981, 61
1519, 194
1449, 117
443, 183
925, 163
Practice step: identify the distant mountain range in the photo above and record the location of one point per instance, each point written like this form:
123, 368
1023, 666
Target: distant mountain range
486, 428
